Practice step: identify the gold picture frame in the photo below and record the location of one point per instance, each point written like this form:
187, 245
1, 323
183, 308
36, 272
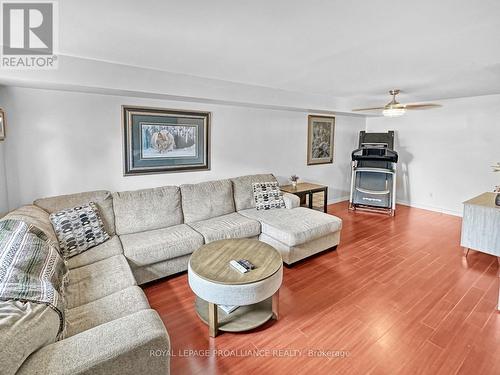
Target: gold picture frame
320, 139
2, 124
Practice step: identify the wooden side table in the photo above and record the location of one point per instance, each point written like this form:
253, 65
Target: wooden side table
305, 188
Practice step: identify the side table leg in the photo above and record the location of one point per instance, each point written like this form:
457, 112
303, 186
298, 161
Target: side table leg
302, 199
325, 203
276, 304
310, 200
212, 319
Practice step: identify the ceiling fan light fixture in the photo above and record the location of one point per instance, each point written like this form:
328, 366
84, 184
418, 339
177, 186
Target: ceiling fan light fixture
396, 109
393, 112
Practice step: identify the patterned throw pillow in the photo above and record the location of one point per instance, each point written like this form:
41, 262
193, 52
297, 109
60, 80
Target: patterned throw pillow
267, 196
78, 229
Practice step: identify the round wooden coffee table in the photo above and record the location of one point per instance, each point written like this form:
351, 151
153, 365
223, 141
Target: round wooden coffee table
215, 282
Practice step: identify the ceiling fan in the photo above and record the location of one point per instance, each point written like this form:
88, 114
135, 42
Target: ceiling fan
395, 109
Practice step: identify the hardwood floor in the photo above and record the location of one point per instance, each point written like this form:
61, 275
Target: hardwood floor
398, 296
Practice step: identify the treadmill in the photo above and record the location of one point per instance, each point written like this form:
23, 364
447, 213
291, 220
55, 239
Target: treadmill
373, 179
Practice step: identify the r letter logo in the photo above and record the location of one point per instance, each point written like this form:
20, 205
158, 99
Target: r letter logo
29, 35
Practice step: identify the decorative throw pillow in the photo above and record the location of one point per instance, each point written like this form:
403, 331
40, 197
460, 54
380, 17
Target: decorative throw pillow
78, 229
267, 196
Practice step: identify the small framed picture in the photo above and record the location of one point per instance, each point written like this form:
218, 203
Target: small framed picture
2, 125
163, 140
321, 130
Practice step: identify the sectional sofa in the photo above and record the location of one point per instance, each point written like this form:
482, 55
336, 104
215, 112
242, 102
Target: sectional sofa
111, 328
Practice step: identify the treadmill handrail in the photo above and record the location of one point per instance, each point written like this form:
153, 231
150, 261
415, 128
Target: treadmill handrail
374, 170
374, 192
390, 155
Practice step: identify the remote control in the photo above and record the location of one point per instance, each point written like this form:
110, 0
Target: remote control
237, 266
243, 265
247, 264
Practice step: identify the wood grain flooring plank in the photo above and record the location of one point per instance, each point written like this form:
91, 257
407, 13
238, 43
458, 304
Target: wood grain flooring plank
398, 296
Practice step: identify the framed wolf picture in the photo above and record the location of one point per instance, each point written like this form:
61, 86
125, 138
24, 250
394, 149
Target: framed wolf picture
320, 138
163, 140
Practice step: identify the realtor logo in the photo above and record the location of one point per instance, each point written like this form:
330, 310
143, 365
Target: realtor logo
29, 35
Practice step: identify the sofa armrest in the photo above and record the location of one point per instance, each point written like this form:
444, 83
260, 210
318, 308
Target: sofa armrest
134, 344
291, 200
36, 216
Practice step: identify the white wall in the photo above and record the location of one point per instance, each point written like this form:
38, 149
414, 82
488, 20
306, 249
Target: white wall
3, 181
63, 142
446, 153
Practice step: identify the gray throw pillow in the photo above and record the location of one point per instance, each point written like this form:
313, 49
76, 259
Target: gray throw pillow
267, 196
78, 229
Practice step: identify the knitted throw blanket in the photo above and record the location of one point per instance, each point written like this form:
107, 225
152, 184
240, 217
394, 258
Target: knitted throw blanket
31, 268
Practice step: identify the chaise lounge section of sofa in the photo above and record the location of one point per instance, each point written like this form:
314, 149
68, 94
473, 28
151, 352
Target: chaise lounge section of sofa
296, 232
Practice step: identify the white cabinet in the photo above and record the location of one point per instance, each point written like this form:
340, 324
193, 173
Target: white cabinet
481, 224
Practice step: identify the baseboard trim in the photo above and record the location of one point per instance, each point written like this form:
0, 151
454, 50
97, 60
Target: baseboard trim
406, 203
338, 200
430, 208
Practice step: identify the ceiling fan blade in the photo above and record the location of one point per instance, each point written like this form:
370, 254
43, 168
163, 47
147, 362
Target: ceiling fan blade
367, 109
422, 106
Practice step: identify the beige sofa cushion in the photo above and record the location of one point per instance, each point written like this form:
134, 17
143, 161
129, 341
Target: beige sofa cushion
291, 200
147, 209
24, 328
97, 280
145, 274
154, 246
292, 254
122, 346
206, 200
106, 309
227, 226
110, 248
36, 216
295, 226
101, 198
243, 191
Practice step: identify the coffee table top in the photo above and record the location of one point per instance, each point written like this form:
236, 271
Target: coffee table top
211, 261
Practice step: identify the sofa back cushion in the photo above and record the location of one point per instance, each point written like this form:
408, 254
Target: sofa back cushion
102, 199
147, 209
243, 189
35, 216
206, 200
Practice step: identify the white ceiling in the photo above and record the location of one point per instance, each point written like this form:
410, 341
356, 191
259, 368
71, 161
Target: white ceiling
353, 49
